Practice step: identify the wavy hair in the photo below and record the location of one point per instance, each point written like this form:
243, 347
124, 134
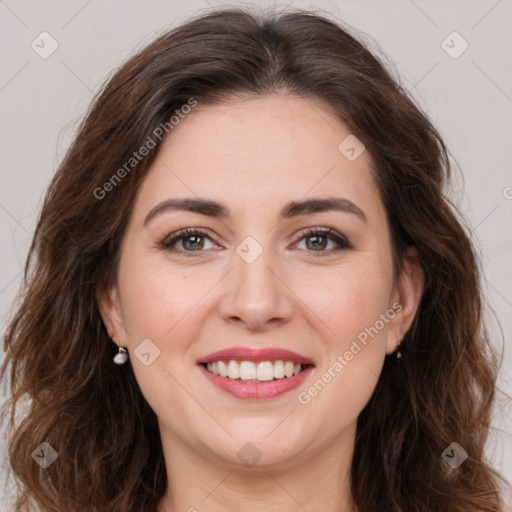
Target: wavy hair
64, 389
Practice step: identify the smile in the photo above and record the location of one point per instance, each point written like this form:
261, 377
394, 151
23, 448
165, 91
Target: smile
255, 374
249, 371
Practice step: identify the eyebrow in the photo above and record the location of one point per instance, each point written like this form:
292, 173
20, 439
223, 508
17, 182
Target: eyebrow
290, 210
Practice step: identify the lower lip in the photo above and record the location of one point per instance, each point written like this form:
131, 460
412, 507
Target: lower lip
256, 390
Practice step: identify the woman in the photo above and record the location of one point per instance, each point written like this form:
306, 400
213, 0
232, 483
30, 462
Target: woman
247, 288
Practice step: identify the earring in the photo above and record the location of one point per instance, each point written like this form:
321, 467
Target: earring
122, 356
398, 353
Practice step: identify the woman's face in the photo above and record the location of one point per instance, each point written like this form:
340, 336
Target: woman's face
255, 279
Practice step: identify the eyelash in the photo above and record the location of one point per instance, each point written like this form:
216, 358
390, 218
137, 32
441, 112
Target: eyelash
342, 243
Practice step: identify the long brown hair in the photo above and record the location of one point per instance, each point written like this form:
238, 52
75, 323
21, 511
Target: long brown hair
60, 356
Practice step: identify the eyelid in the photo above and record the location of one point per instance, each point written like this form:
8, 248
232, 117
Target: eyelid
167, 241
341, 241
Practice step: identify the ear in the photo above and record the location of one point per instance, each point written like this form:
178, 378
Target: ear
407, 296
110, 310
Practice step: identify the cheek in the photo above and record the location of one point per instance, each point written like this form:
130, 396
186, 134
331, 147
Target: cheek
347, 298
350, 303
156, 297
163, 305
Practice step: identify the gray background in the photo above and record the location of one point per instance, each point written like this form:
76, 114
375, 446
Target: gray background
468, 98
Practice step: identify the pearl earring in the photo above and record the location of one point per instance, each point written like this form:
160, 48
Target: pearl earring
398, 353
122, 356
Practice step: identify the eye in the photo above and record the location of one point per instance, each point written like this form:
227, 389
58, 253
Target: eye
317, 240
196, 240
191, 240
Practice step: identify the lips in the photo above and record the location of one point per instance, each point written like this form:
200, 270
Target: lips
256, 355
245, 387
256, 391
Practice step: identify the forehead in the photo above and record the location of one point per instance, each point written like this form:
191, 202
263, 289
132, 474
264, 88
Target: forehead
257, 154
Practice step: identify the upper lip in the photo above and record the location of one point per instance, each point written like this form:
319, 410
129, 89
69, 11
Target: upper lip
255, 355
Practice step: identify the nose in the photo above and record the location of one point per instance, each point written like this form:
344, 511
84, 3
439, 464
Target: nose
256, 295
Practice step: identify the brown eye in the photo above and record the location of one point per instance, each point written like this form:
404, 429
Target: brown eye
187, 240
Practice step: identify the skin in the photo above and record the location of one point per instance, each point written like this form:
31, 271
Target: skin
256, 155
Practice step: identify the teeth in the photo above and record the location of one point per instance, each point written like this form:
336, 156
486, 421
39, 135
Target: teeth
223, 369
265, 371
247, 370
256, 372
279, 369
233, 370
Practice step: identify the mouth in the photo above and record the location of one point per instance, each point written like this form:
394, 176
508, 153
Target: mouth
255, 374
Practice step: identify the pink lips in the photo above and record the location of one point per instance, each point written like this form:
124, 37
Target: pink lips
255, 355
256, 390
